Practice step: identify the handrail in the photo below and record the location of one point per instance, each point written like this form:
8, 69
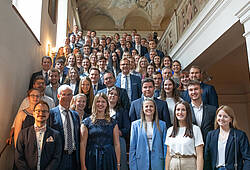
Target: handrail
5, 146
181, 20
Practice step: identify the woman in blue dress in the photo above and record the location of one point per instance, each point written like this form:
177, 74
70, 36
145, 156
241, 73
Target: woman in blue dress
99, 145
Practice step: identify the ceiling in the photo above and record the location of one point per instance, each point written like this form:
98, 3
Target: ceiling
143, 15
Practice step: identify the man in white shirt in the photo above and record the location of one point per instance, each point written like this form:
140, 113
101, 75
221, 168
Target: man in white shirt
39, 147
203, 115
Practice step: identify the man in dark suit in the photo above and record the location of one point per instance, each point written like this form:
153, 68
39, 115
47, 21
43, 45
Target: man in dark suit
67, 122
63, 73
130, 82
94, 75
203, 115
39, 146
209, 95
46, 65
137, 45
152, 46
109, 81
148, 88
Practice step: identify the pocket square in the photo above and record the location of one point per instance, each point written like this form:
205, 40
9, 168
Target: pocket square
50, 139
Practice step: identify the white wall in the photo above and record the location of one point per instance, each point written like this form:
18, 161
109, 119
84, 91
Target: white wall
20, 57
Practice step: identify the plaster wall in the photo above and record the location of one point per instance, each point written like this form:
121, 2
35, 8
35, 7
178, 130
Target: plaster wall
20, 57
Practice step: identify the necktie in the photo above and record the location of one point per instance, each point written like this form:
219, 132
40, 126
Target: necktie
94, 89
46, 77
69, 133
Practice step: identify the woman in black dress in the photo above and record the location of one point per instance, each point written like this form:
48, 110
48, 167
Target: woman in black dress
25, 117
99, 145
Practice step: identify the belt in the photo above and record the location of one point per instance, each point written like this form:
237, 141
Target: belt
67, 152
183, 156
221, 166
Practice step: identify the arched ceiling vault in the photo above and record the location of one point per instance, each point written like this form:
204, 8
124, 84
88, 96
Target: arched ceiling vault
124, 12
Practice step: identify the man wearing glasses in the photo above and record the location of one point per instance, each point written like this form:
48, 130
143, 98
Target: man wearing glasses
38, 147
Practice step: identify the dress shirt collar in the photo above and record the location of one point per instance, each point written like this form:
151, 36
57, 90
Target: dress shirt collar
196, 106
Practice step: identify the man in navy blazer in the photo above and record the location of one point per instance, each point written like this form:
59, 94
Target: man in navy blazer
209, 95
46, 65
203, 115
67, 122
152, 46
137, 45
109, 81
94, 75
130, 82
38, 146
242, 150
148, 92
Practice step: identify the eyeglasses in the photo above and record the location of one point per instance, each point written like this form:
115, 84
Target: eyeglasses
41, 111
34, 96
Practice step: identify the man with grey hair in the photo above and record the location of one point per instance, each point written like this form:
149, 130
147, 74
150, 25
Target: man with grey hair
67, 122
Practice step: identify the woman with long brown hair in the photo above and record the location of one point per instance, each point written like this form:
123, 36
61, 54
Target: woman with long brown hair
184, 141
170, 94
85, 87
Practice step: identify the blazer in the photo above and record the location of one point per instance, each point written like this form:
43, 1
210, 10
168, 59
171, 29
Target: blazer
26, 153
123, 97
208, 117
55, 122
122, 119
139, 150
242, 149
135, 86
143, 51
162, 108
76, 87
159, 53
49, 92
209, 95
100, 86
34, 75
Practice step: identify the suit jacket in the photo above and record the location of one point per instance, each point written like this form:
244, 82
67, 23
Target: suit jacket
122, 119
55, 122
135, 86
139, 150
26, 153
159, 53
208, 117
49, 92
242, 149
76, 87
162, 108
34, 75
209, 95
100, 86
143, 51
123, 97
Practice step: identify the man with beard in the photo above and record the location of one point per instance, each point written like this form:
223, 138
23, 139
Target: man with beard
51, 89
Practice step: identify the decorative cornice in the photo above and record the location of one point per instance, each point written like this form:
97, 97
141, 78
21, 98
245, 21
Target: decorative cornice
244, 13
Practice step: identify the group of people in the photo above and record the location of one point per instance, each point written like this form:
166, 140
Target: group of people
106, 95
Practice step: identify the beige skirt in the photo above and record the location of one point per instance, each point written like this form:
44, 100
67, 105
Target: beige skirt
183, 163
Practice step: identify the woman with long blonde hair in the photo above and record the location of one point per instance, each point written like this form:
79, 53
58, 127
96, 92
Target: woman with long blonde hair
99, 145
227, 147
